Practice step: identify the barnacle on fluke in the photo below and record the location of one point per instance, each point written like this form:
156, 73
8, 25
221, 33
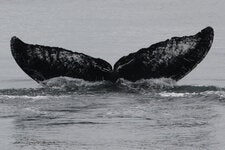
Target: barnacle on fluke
173, 58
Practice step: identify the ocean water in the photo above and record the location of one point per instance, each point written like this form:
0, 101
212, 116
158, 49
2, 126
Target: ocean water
67, 114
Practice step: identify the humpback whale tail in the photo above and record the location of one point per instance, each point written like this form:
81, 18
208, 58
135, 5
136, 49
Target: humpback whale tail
173, 58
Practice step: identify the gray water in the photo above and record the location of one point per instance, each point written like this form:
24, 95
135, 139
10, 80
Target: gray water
148, 114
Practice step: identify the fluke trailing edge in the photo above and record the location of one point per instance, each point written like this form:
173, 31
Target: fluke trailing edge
173, 58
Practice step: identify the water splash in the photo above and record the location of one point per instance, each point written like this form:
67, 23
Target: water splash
65, 86
67, 83
72, 84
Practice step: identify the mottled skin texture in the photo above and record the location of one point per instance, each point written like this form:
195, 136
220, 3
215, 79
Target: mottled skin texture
173, 58
42, 62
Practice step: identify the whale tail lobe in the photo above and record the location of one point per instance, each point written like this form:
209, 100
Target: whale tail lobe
44, 62
173, 58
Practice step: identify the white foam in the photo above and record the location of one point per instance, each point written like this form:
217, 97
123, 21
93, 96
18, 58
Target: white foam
147, 84
39, 97
67, 82
173, 94
23, 97
220, 94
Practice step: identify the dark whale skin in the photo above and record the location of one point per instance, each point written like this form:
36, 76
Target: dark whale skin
44, 62
173, 58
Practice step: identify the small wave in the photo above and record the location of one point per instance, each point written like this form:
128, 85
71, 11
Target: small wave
209, 92
31, 97
195, 88
74, 123
206, 95
33, 93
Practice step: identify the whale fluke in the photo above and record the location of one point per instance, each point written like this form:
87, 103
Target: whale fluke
173, 58
43, 62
